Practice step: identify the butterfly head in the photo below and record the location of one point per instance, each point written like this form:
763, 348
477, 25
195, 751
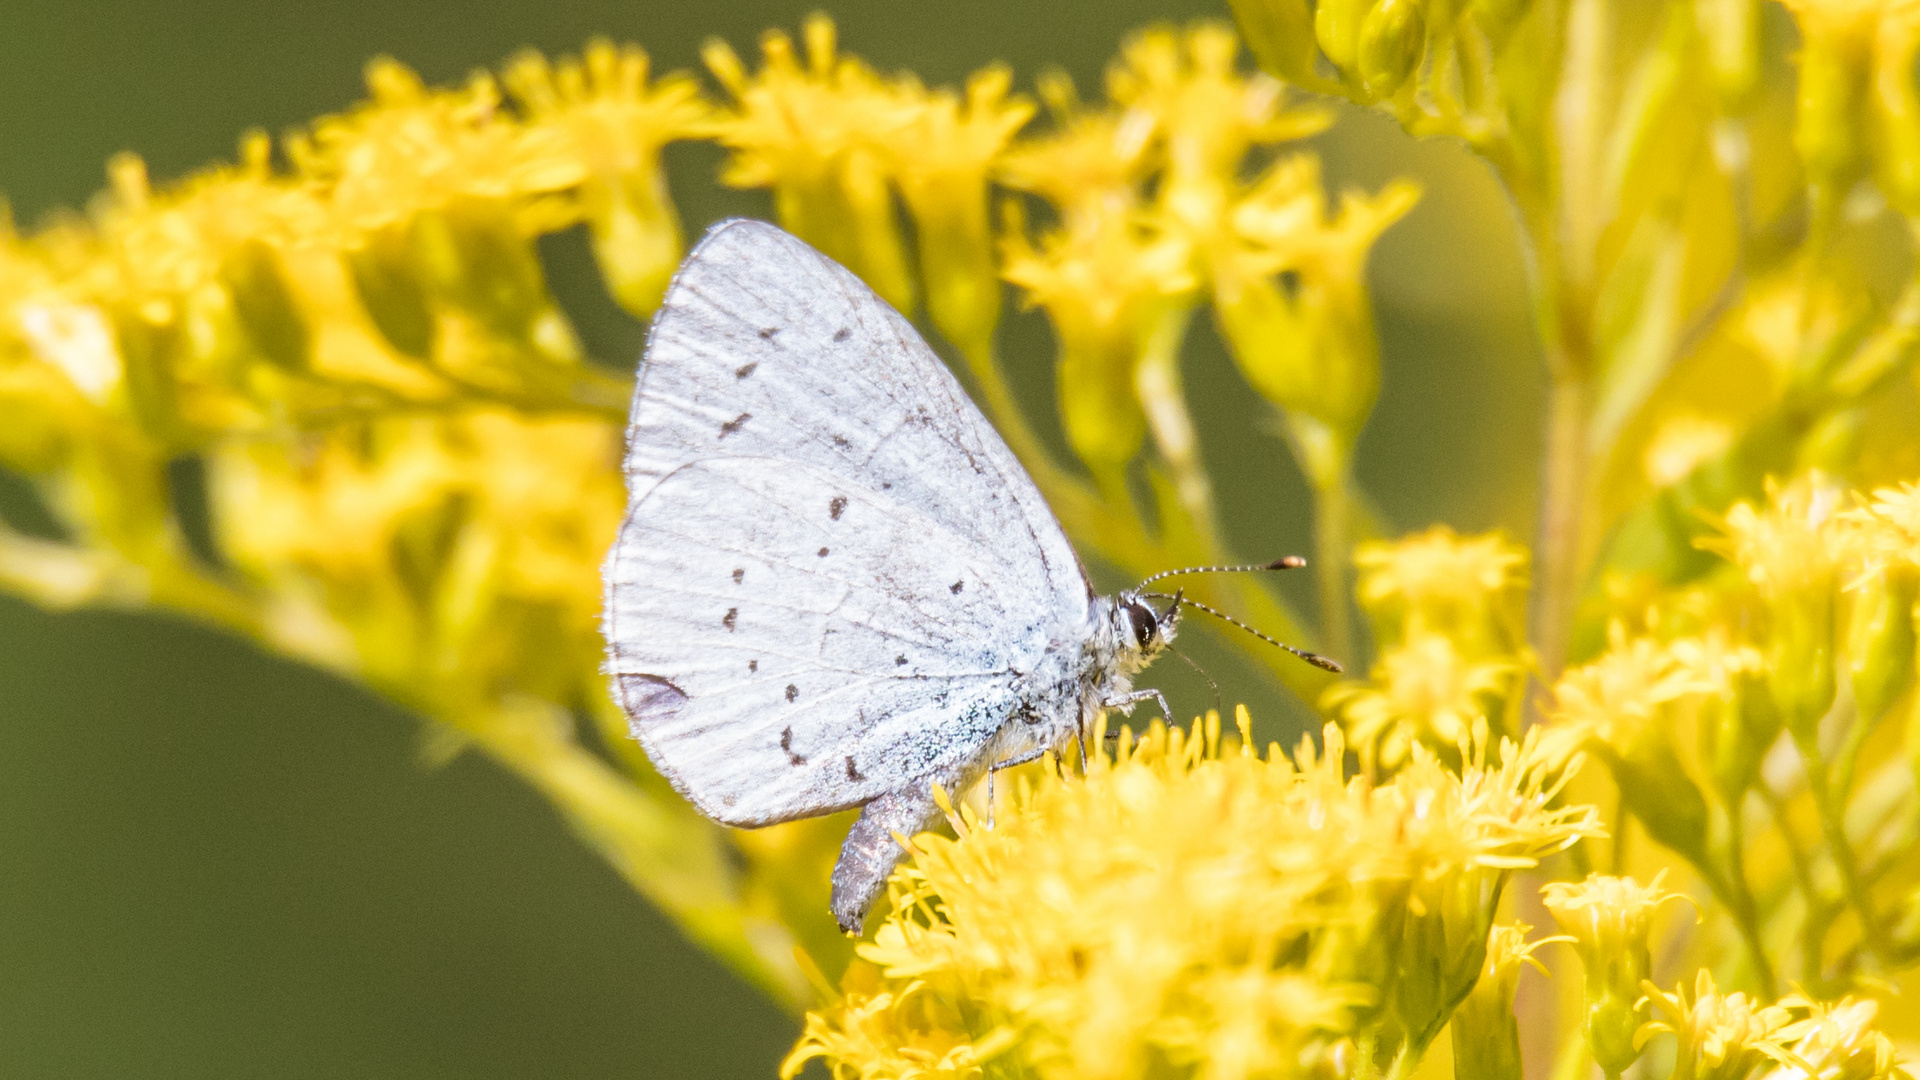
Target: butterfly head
1142, 632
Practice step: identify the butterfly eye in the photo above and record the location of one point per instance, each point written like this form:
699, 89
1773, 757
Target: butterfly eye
1144, 624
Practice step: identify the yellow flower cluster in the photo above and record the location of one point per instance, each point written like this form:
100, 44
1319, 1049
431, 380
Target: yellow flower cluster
411, 467
1816, 640
411, 472
1189, 907
1448, 614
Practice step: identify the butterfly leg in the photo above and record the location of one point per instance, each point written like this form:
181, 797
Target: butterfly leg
1125, 702
1007, 764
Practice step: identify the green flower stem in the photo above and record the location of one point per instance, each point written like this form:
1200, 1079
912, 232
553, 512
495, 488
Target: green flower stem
1813, 927
1737, 894
1562, 510
1164, 400
1333, 513
1829, 802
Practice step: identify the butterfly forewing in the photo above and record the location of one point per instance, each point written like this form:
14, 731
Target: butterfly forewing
832, 570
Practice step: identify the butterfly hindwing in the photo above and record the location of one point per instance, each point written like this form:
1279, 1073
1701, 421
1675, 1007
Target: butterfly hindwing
791, 645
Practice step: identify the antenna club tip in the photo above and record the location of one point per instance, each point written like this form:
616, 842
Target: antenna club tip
1289, 562
1324, 663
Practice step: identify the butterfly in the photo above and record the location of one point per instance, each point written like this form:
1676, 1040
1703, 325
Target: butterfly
835, 586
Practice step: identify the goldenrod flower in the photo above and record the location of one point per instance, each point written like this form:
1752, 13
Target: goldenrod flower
1486, 1036
1609, 919
1206, 116
818, 136
1837, 1042
1793, 552
1108, 289
617, 121
943, 161
1231, 914
1470, 589
1722, 1036
1306, 342
412, 148
1424, 690
436, 195
1625, 706
1089, 164
441, 546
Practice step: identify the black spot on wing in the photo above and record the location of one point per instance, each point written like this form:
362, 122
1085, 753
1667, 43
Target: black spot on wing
792, 691
735, 424
822, 553
853, 773
836, 507
900, 661
786, 744
650, 696
766, 333
842, 334
753, 665
745, 370
956, 587
841, 441
730, 618
738, 573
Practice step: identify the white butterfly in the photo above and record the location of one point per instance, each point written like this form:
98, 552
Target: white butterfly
835, 585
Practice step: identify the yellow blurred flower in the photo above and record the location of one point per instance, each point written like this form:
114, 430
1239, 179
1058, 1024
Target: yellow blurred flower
943, 162
1609, 919
818, 135
1794, 552
617, 121
1470, 589
1486, 1035
1722, 1036
1837, 1042
1424, 690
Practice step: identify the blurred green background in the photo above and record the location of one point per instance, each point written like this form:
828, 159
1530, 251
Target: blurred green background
214, 863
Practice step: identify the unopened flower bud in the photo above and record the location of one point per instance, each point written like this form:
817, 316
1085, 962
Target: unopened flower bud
1336, 26
1610, 919
1880, 639
1486, 1037
1829, 125
1730, 32
391, 291
264, 305
1393, 38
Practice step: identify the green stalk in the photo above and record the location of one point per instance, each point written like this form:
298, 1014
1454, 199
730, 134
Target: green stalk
1829, 802
1745, 911
1332, 552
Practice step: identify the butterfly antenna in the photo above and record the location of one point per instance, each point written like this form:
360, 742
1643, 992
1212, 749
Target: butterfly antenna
1322, 662
1203, 674
1290, 562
